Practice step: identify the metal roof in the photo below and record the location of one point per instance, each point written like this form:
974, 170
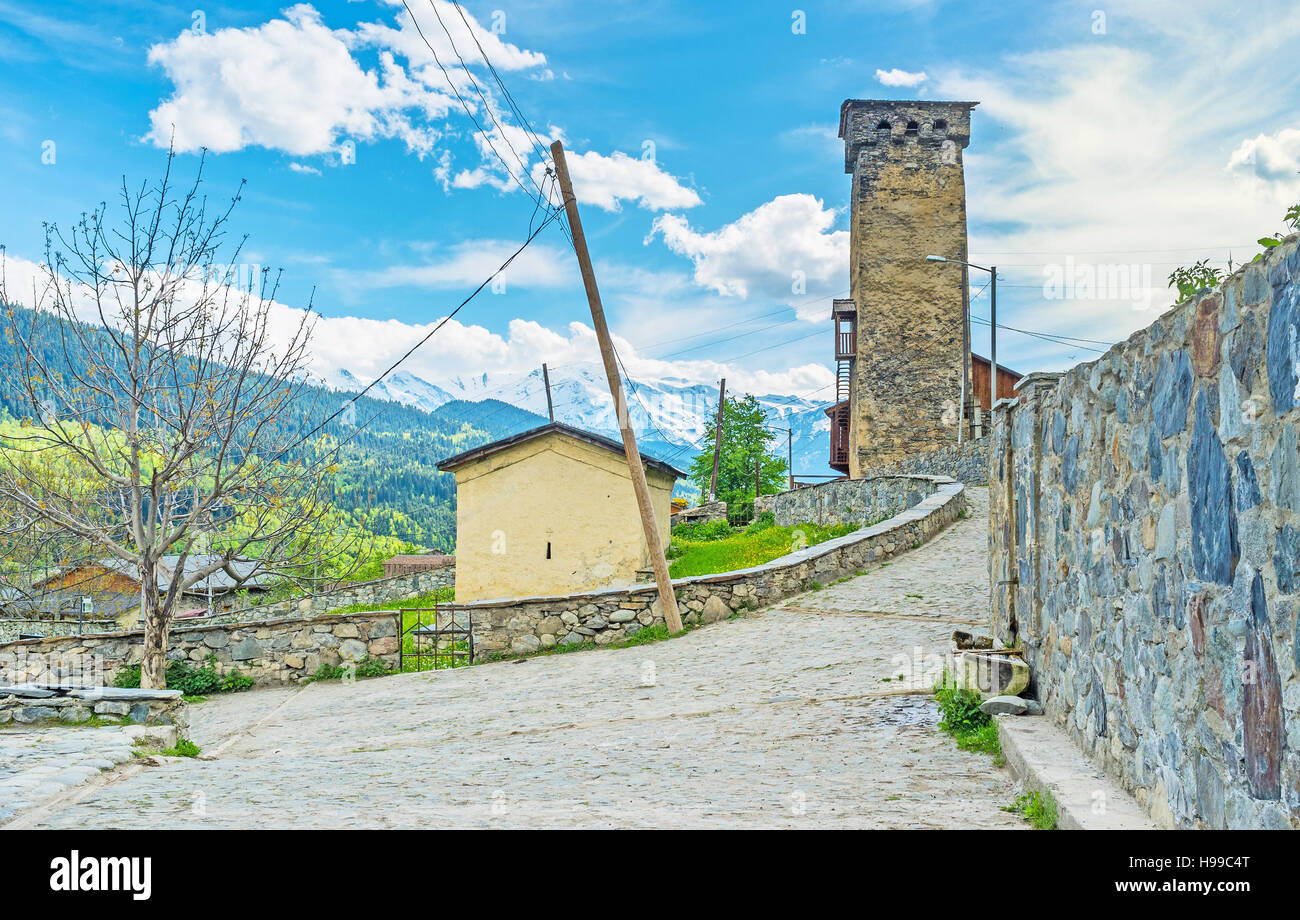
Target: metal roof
246, 572
579, 434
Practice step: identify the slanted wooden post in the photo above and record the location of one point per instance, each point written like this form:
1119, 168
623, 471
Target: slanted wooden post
546, 379
667, 599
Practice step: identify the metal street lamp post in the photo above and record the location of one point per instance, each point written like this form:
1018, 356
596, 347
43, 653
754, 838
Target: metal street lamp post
993, 324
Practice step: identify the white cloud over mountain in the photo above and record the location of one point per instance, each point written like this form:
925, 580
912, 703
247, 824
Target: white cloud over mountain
784, 250
366, 347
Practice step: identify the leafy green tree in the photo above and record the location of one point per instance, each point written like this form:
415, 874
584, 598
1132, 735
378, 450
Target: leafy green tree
744, 440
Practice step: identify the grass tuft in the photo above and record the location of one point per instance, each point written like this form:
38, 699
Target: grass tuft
1039, 810
961, 717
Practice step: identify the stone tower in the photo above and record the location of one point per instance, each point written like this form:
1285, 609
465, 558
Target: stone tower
909, 201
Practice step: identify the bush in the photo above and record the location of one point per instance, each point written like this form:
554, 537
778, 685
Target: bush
762, 522
366, 667
189, 681
702, 531
960, 710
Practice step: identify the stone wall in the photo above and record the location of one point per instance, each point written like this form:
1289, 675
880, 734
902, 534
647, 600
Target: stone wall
12, 627
393, 589
701, 514
157, 707
848, 501
967, 462
380, 591
524, 625
272, 652
1145, 539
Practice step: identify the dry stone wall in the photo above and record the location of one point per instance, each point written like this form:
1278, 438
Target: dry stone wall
272, 652
1145, 539
967, 462
369, 593
849, 501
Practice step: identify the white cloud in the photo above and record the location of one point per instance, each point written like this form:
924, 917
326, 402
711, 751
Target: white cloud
1114, 151
367, 347
294, 84
290, 84
784, 250
466, 264
605, 181
898, 77
304, 169
1272, 159
463, 43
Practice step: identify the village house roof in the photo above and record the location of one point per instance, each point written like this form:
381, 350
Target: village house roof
433, 561
597, 440
980, 359
240, 573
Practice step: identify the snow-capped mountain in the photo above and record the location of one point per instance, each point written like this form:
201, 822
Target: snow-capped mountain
401, 387
670, 416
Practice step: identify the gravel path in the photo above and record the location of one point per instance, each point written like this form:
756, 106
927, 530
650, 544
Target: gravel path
790, 717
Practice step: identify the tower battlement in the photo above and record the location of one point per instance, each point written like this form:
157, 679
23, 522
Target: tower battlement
885, 127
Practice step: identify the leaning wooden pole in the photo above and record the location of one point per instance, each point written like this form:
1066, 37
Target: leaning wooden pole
717, 440
667, 599
550, 407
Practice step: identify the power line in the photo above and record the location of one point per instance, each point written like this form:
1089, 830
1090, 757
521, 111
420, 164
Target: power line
446, 319
465, 105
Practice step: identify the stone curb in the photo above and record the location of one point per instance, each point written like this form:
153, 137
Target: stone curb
1044, 759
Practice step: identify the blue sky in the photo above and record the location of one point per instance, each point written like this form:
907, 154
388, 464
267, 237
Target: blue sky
1144, 135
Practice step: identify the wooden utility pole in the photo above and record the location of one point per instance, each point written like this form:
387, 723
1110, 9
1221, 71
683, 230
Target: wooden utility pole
789, 454
717, 441
546, 379
672, 618
757, 491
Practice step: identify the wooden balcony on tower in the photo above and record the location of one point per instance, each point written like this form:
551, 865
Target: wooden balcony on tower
839, 416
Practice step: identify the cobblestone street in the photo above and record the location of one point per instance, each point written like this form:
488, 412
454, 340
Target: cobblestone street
789, 717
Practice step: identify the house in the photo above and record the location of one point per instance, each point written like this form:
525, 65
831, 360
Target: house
409, 564
551, 511
979, 381
113, 585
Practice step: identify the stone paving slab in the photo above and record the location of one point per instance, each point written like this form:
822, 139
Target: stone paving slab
37, 764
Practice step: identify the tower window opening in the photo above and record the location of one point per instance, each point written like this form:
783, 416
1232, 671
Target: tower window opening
912, 127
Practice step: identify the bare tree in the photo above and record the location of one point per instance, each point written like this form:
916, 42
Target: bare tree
172, 408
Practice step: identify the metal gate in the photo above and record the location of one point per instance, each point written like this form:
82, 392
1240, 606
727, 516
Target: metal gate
437, 637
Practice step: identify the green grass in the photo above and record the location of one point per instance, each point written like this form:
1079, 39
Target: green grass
725, 549
1039, 810
184, 748
961, 718
438, 596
